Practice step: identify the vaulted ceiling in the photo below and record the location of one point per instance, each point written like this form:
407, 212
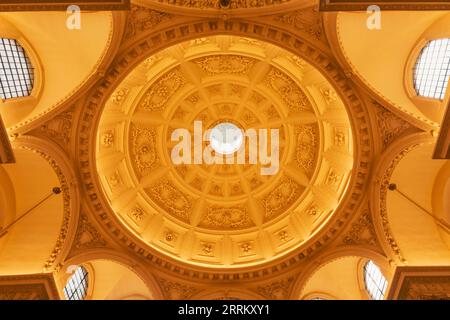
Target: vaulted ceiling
101, 127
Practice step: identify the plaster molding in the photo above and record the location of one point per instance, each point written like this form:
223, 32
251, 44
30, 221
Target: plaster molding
379, 188
71, 197
237, 9
61, 5
335, 254
361, 5
420, 283
40, 286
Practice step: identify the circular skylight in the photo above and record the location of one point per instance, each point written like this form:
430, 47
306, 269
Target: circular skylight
226, 138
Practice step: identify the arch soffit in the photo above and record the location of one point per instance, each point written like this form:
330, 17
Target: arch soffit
337, 254
330, 25
379, 188
118, 23
121, 258
70, 192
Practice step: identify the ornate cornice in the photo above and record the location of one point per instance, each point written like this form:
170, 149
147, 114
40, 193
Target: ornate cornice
28, 287
362, 5
62, 5
307, 21
420, 283
235, 8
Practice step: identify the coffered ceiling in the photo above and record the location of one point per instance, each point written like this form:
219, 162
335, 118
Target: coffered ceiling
224, 214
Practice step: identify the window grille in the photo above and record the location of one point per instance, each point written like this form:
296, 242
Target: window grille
375, 282
77, 285
432, 69
16, 71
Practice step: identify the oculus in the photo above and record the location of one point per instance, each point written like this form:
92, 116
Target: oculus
226, 138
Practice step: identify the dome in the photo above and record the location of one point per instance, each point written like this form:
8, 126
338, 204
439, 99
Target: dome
228, 214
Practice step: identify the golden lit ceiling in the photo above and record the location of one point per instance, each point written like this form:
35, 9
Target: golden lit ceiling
144, 227
224, 214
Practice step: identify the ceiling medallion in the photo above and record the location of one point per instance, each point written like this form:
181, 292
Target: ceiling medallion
229, 213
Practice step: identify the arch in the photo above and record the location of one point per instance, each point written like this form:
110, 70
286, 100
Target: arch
395, 48
123, 268
7, 199
63, 169
41, 167
113, 281
441, 194
437, 30
93, 46
402, 203
318, 295
339, 275
22, 105
32, 180
227, 294
151, 42
423, 240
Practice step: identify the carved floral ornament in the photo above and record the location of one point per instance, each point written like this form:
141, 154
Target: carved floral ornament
232, 7
132, 241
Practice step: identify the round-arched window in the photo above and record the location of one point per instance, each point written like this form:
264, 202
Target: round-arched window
375, 282
432, 69
16, 71
77, 285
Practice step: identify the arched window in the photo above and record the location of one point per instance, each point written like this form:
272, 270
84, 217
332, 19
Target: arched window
432, 69
16, 72
77, 285
374, 280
